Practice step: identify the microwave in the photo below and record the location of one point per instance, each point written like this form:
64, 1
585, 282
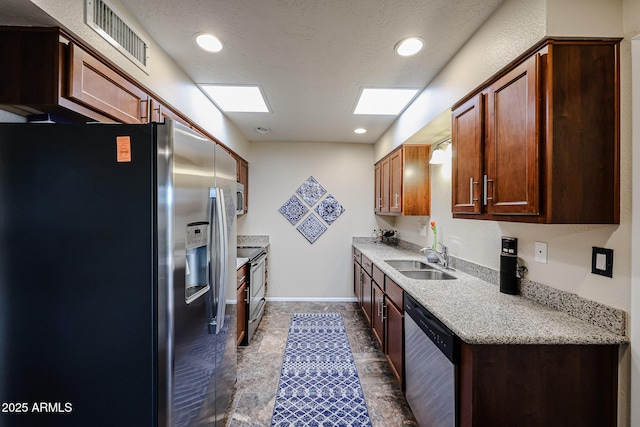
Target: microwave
239, 198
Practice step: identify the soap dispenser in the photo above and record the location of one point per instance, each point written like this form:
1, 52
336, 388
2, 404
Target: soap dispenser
509, 266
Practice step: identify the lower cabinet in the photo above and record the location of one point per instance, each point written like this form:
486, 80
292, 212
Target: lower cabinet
394, 328
381, 301
242, 301
377, 320
538, 385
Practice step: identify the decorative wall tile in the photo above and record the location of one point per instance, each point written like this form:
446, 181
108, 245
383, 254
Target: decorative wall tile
329, 209
311, 228
293, 210
311, 191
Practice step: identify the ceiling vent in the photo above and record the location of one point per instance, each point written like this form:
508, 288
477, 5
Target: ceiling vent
108, 22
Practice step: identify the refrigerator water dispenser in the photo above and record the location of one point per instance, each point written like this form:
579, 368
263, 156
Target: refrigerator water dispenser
197, 261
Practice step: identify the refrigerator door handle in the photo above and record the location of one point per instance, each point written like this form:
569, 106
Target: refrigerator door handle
218, 256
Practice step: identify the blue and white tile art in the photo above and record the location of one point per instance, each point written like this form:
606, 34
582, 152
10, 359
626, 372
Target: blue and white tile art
311, 228
311, 191
329, 209
293, 210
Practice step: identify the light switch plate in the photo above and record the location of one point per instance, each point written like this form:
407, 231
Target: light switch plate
541, 252
602, 261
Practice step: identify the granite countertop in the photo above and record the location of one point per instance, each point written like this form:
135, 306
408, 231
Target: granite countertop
240, 262
479, 313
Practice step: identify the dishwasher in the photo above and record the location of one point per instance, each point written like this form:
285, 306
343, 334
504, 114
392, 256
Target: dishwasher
432, 355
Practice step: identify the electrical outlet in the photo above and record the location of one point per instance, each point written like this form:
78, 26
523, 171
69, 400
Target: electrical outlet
423, 230
541, 252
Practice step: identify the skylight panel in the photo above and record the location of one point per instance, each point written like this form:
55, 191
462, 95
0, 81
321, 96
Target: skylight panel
237, 99
384, 101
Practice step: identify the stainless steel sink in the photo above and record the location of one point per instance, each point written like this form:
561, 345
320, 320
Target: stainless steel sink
408, 265
419, 270
427, 274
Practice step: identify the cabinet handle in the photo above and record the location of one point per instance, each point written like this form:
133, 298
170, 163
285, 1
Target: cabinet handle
144, 111
471, 184
379, 202
396, 201
240, 280
485, 186
384, 315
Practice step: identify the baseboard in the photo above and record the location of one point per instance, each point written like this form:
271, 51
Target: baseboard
312, 299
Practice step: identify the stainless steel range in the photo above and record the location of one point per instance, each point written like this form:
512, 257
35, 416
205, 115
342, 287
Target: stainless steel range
257, 285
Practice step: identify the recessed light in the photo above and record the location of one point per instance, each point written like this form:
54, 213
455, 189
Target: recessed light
262, 129
209, 42
409, 46
237, 98
360, 130
383, 101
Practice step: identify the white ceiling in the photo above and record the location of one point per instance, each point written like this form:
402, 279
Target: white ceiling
311, 57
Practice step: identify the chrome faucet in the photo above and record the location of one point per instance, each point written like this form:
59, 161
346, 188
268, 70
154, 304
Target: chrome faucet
443, 257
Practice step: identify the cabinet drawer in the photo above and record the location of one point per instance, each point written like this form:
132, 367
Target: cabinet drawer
357, 256
394, 292
367, 265
378, 276
241, 275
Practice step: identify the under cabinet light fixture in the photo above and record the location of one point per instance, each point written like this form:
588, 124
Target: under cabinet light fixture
439, 155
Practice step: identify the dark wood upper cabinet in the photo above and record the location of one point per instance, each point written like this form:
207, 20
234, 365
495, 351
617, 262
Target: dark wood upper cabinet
402, 182
95, 85
540, 141
467, 155
37, 80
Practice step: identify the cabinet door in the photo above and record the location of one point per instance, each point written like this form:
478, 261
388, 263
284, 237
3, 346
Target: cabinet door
357, 281
511, 184
367, 302
416, 189
394, 344
385, 181
467, 156
377, 321
243, 178
395, 185
377, 183
242, 312
95, 85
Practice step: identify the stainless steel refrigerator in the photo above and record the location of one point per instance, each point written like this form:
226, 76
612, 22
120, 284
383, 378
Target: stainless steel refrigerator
117, 284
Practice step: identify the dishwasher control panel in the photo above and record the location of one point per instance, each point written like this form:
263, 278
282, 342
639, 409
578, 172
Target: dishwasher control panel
438, 333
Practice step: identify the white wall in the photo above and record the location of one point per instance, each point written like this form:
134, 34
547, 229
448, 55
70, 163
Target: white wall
298, 269
631, 24
166, 78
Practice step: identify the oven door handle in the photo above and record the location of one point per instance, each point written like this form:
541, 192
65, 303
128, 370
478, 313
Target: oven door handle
263, 301
259, 260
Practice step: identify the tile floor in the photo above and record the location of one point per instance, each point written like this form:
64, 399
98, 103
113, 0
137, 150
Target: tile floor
259, 367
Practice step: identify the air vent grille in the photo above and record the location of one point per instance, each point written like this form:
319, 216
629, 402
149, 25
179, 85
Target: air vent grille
106, 20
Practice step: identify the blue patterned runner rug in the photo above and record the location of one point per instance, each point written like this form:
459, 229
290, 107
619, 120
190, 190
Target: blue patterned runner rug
319, 384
